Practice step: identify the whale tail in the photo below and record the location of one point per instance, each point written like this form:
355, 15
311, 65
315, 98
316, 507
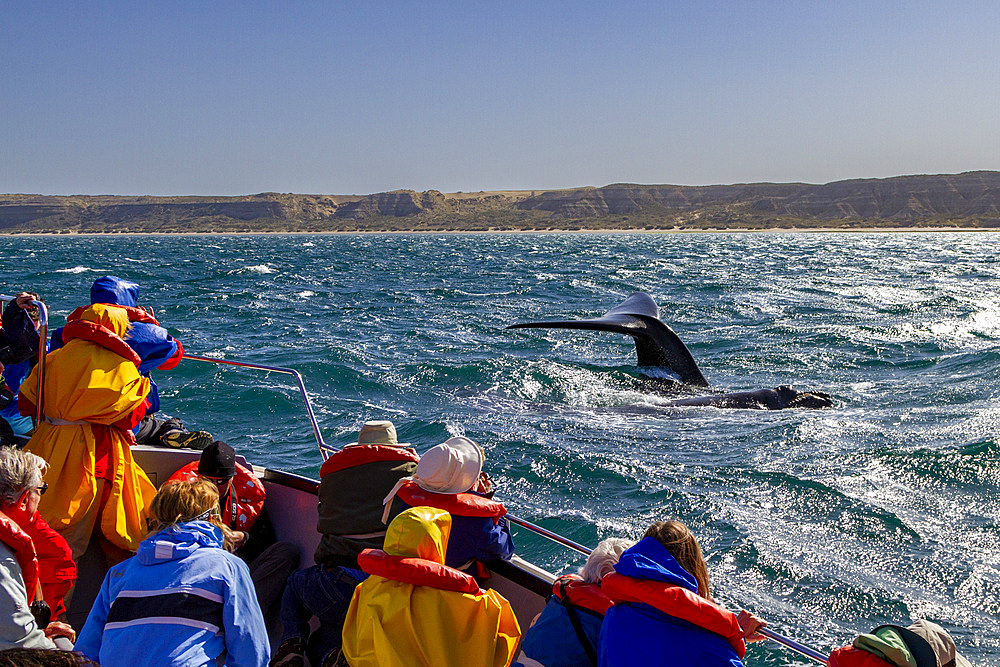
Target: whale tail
656, 344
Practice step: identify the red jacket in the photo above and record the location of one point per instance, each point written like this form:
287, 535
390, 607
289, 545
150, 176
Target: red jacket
848, 656
56, 568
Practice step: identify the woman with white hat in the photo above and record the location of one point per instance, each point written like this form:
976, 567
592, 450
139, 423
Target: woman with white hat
444, 479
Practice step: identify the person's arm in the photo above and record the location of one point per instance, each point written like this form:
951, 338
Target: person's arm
750, 625
17, 625
245, 632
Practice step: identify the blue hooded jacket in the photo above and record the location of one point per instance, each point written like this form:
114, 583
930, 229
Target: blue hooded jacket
182, 600
151, 342
638, 634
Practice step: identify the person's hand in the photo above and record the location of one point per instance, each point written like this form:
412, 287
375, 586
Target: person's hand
750, 625
239, 538
60, 629
24, 300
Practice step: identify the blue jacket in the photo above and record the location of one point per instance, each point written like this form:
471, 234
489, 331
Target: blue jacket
181, 601
635, 633
152, 343
554, 642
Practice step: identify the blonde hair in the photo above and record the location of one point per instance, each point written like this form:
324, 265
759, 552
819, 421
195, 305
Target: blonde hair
603, 558
178, 501
678, 539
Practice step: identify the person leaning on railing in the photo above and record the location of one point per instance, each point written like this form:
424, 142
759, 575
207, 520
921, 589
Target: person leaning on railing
18, 353
664, 615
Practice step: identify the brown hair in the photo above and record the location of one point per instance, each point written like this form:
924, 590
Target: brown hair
177, 502
678, 539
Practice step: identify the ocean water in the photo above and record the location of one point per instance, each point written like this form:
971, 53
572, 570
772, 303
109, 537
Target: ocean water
826, 523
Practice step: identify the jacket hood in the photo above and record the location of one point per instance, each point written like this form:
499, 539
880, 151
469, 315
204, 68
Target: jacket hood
648, 559
179, 541
419, 532
111, 318
112, 289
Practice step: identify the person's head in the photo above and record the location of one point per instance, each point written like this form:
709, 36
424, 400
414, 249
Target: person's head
178, 502
419, 532
451, 467
678, 539
218, 465
114, 290
603, 558
378, 433
42, 657
21, 485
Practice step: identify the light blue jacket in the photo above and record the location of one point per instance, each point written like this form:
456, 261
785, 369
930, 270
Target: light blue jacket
182, 601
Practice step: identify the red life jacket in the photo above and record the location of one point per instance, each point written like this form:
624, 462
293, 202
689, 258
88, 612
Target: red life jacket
102, 336
458, 504
848, 656
245, 503
417, 571
24, 551
56, 568
357, 455
677, 602
574, 590
135, 313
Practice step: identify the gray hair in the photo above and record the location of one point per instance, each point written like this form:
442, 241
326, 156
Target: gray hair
19, 471
603, 558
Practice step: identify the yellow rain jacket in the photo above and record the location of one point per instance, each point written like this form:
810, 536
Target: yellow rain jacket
92, 395
393, 621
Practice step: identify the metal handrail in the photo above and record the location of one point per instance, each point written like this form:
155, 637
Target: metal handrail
325, 450
43, 339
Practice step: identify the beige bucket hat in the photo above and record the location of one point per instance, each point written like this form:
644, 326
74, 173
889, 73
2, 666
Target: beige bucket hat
378, 433
940, 642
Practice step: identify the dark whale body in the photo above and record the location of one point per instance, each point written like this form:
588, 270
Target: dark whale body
657, 346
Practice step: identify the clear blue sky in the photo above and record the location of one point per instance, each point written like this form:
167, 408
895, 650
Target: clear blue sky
357, 97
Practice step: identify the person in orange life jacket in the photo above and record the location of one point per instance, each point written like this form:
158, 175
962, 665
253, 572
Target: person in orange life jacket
56, 569
922, 644
241, 508
21, 487
664, 614
353, 482
18, 353
565, 634
157, 349
445, 478
415, 611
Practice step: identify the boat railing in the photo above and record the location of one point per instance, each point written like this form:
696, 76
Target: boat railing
43, 337
327, 450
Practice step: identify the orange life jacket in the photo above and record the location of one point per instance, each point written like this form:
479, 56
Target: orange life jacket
457, 504
417, 571
571, 588
248, 491
20, 543
677, 602
848, 656
357, 455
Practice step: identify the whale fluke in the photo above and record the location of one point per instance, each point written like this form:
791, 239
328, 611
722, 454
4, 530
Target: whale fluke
656, 344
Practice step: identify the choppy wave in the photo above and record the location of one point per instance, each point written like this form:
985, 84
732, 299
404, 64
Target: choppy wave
827, 523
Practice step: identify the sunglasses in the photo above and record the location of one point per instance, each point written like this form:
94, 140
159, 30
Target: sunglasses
42, 489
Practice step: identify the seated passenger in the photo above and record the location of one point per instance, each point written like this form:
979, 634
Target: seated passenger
445, 478
20, 488
56, 569
663, 613
241, 504
352, 484
183, 599
156, 348
39, 657
923, 644
18, 353
565, 634
415, 611
93, 396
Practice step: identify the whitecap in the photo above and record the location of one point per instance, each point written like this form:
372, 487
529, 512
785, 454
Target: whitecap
77, 269
305, 294
259, 268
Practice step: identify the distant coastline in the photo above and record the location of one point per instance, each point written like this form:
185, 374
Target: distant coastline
966, 201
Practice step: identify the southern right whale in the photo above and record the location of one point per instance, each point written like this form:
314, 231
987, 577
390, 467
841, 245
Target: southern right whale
657, 346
